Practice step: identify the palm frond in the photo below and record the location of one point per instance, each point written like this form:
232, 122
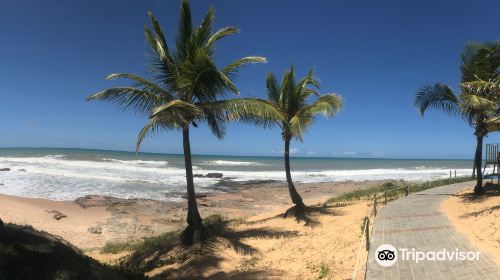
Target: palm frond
161, 63
328, 105
219, 34
477, 108
201, 34
129, 98
489, 89
273, 89
478, 61
177, 113
200, 79
153, 127
216, 123
299, 123
231, 68
247, 110
159, 33
185, 30
142, 82
437, 96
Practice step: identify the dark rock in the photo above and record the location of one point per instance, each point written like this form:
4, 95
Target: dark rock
1, 223
22, 170
57, 214
95, 230
214, 175
198, 176
4, 169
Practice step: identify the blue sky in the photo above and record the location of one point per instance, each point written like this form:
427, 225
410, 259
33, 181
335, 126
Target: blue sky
376, 54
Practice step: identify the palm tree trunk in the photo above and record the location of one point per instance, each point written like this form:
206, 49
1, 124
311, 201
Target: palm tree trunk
193, 216
478, 160
296, 199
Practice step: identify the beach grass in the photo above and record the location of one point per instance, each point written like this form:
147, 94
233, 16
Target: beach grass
394, 189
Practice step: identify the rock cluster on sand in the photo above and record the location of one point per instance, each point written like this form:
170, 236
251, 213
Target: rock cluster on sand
209, 175
4, 169
95, 230
57, 214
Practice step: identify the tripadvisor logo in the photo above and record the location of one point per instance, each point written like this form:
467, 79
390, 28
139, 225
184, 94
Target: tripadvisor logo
387, 255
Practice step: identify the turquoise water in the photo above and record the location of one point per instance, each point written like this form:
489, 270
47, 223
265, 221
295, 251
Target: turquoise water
70, 173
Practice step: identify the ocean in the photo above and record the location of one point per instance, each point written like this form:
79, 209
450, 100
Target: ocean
65, 174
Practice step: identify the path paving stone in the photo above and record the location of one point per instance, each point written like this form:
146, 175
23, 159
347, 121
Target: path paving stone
416, 221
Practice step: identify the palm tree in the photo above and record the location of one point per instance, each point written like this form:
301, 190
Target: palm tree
477, 102
291, 98
184, 91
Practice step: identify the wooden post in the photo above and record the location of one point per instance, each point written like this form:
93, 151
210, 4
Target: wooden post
455, 173
449, 180
407, 190
385, 197
367, 231
427, 184
375, 205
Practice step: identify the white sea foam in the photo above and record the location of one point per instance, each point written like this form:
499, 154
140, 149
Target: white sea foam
344, 175
231, 163
62, 178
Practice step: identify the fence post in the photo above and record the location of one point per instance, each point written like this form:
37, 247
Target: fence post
407, 190
367, 231
455, 173
375, 205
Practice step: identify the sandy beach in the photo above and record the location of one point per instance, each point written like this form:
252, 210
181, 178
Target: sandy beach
477, 218
115, 219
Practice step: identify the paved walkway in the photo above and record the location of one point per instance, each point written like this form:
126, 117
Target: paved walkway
417, 222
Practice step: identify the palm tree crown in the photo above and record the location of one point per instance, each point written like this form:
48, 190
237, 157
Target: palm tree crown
186, 84
291, 98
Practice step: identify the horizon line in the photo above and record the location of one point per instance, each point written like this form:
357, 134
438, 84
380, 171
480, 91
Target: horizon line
222, 155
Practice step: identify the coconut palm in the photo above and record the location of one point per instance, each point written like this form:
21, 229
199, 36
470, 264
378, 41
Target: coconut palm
185, 91
477, 102
291, 98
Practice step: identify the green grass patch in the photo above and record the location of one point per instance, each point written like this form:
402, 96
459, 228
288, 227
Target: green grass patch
164, 240
394, 189
147, 244
324, 271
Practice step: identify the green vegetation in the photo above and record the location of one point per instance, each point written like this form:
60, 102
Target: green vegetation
186, 90
150, 243
394, 189
26, 253
478, 100
290, 97
324, 271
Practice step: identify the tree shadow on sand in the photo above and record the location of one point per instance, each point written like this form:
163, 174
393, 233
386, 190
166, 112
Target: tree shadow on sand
181, 262
309, 215
489, 191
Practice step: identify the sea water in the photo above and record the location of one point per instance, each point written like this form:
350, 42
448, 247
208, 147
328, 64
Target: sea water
65, 174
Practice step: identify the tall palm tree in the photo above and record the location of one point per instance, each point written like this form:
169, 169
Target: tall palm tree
185, 91
291, 98
477, 102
